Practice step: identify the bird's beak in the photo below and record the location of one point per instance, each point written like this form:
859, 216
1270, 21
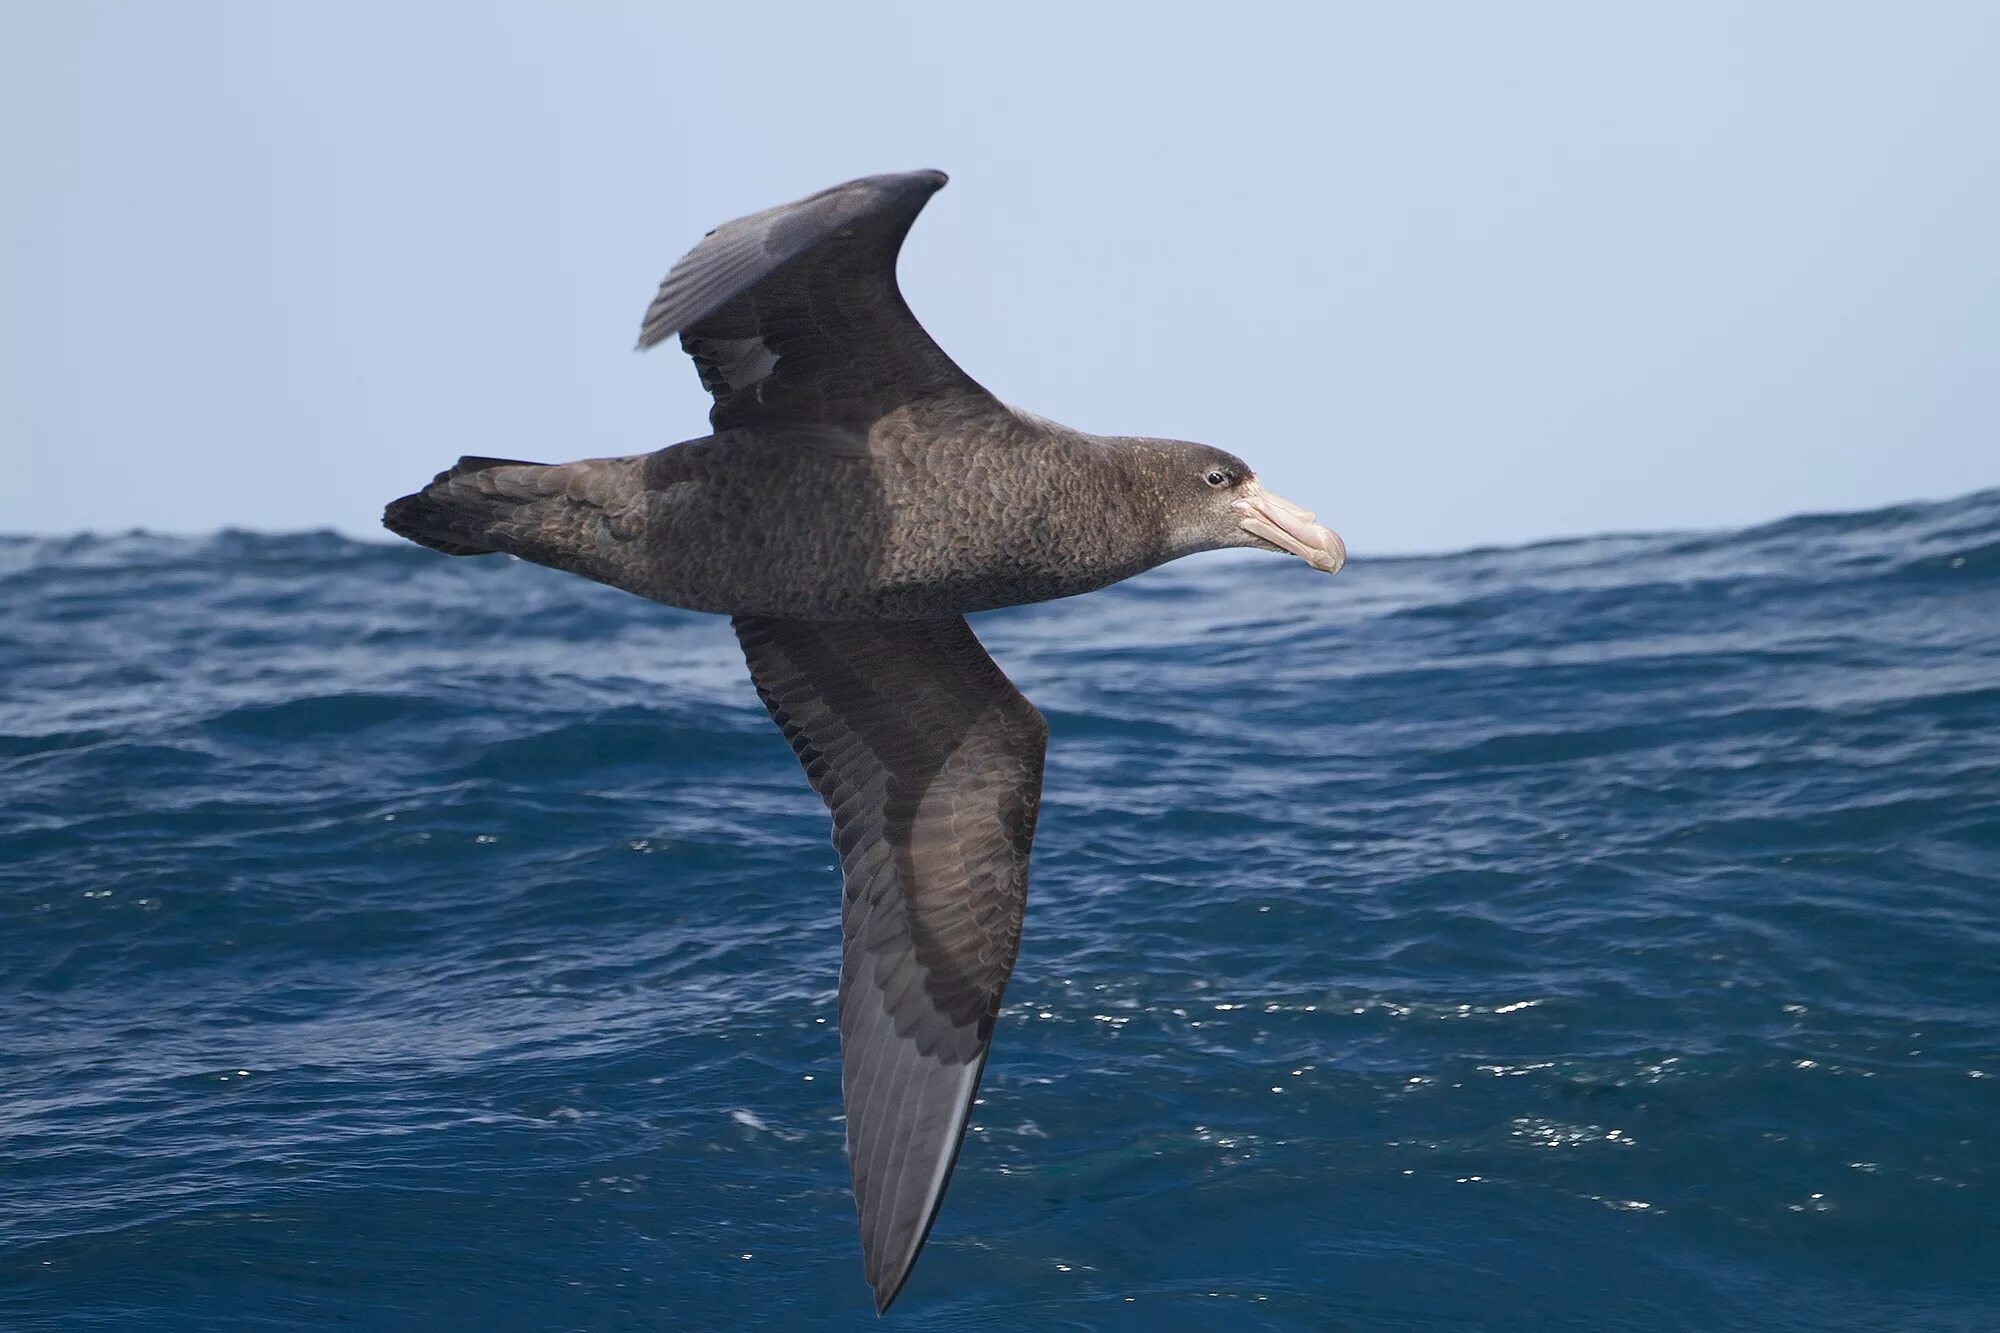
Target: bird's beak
1288, 527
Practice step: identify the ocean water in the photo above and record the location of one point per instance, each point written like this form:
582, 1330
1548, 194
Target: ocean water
1597, 935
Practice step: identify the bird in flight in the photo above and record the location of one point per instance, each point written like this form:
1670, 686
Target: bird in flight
856, 496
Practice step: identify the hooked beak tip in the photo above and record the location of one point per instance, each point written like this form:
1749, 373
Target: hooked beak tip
1333, 555
1286, 526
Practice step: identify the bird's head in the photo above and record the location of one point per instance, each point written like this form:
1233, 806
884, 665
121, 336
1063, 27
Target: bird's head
1213, 500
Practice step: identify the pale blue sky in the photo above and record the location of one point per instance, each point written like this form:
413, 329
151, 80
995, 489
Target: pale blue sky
1449, 274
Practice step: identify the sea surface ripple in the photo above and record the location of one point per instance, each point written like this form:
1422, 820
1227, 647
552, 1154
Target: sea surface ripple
1602, 934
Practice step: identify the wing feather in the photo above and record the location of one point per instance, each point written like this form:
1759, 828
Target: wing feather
931, 763
793, 316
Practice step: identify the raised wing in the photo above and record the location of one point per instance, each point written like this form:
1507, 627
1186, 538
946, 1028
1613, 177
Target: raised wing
931, 762
793, 316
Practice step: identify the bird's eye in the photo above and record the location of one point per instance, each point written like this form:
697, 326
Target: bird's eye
1216, 477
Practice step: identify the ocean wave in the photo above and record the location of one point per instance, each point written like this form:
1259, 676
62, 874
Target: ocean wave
416, 939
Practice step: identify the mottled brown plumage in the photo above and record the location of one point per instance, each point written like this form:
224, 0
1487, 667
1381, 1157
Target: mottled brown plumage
858, 494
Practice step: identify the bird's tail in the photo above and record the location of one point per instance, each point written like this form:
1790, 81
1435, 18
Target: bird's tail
466, 507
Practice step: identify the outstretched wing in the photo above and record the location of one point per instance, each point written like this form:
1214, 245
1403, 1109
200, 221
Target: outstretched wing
931, 762
793, 316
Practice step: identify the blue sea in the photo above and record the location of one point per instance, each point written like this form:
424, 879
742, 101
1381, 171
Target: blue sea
1596, 935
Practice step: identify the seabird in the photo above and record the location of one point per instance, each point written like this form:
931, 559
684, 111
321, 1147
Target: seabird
856, 496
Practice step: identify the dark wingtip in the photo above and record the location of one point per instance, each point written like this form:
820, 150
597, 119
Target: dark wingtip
929, 181
708, 278
885, 1295
929, 176
886, 1283
651, 332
